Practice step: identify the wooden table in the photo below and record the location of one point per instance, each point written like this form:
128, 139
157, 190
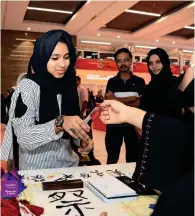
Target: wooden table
82, 202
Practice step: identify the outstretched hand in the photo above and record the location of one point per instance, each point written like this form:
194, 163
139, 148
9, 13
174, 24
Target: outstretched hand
113, 112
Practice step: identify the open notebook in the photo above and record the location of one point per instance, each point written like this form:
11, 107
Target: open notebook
109, 187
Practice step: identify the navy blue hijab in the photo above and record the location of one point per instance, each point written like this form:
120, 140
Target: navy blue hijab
50, 86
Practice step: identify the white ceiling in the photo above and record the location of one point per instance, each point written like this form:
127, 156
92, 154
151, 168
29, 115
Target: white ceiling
87, 23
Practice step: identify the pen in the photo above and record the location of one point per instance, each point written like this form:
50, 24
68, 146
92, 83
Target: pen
92, 115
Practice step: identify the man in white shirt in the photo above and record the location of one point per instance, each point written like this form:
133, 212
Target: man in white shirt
83, 96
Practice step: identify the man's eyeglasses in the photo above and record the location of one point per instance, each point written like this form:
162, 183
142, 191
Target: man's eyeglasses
123, 60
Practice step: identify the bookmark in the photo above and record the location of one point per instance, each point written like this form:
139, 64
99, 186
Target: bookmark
95, 114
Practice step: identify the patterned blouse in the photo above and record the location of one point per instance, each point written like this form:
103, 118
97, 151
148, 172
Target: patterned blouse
39, 146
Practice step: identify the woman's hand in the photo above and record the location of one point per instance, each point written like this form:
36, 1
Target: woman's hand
76, 127
113, 112
86, 147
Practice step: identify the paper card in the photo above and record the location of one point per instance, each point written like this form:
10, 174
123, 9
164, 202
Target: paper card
36, 176
32, 176
85, 173
63, 176
121, 169
82, 173
95, 114
50, 175
75, 202
67, 202
115, 172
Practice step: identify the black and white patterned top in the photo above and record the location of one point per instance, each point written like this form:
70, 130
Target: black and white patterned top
39, 146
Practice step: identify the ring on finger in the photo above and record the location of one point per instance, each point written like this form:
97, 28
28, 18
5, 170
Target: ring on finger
73, 130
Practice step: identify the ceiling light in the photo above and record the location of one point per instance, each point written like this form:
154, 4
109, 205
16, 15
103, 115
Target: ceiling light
157, 40
188, 51
96, 42
24, 51
28, 29
26, 34
49, 10
118, 36
20, 45
173, 42
21, 59
143, 13
23, 39
189, 27
98, 35
146, 47
13, 55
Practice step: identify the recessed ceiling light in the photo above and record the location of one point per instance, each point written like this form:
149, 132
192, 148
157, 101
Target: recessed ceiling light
173, 42
26, 33
98, 35
49, 10
143, 13
157, 40
28, 29
19, 59
188, 51
23, 51
118, 36
22, 39
13, 55
189, 27
20, 45
96, 42
147, 47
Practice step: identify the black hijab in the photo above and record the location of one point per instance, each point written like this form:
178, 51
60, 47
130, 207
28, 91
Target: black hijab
165, 77
155, 98
50, 86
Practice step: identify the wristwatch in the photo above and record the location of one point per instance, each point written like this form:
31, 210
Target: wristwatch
59, 121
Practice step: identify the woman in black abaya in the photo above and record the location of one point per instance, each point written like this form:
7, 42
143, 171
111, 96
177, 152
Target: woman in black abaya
155, 98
